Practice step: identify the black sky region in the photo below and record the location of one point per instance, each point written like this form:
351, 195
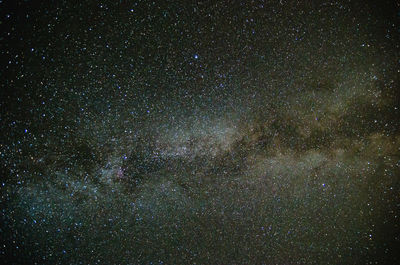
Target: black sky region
199, 132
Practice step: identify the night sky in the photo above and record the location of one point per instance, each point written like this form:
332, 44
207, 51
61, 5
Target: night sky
208, 132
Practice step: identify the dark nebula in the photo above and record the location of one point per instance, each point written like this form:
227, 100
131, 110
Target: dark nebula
209, 132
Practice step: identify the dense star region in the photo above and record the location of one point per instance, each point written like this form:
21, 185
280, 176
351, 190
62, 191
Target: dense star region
208, 132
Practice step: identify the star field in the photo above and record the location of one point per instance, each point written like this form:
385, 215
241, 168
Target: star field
184, 132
